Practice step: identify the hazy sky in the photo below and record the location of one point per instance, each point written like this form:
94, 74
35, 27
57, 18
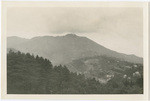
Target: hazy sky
119, 29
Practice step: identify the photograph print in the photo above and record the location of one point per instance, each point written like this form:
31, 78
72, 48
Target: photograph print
74, 50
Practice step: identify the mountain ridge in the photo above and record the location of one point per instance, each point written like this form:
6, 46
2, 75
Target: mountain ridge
71, 35
62, 47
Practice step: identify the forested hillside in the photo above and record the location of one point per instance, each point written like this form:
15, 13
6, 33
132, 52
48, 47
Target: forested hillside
104, 68
29, 74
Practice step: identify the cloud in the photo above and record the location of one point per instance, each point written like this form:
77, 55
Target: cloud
77, 20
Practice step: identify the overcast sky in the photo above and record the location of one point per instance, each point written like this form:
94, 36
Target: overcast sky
119, 29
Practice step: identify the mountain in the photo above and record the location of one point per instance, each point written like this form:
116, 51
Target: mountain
15, 41
65, 49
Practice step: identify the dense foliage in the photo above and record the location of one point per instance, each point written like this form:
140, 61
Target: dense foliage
29, 74
104, 68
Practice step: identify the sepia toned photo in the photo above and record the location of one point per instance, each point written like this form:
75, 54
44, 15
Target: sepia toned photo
79, 50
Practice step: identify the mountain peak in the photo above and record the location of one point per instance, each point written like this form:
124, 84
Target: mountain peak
71, 35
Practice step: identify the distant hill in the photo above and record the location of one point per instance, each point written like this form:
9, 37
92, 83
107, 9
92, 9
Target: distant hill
15, 41
64, 49
104, 68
